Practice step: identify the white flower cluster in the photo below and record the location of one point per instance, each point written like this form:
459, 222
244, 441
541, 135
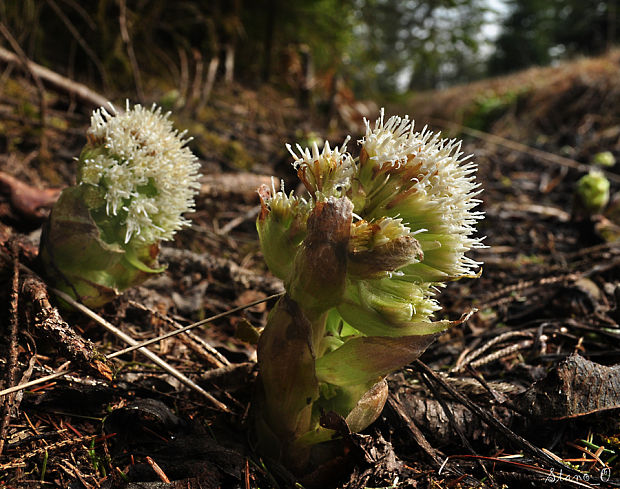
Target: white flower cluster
413, 221
389, 142
417, 178
327, 172
149, 175
425, 181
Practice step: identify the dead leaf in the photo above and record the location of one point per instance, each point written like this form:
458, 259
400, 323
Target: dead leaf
577, 387
32, 202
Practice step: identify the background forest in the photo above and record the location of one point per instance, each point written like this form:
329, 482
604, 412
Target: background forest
377, 48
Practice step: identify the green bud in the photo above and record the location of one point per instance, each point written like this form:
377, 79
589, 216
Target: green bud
390, 307
378, 248
592, 192
604, 158
281, 227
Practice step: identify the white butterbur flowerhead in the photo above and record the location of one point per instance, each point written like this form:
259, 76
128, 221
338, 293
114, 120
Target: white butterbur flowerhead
426, 182
147, 173
364, 257
136, 179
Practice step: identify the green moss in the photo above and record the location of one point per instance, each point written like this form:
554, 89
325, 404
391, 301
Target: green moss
237, 155
210, 144
489, 107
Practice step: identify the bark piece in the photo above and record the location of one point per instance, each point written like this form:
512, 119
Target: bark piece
576, 387
72, 345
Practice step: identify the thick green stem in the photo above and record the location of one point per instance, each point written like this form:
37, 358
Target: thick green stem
287, 349
286, 360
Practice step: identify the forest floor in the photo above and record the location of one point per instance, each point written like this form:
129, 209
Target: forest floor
525, 393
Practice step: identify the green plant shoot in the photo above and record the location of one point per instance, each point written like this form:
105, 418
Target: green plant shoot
592, 192
361, 257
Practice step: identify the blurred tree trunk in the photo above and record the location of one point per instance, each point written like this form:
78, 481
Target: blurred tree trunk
612, 12
268, 39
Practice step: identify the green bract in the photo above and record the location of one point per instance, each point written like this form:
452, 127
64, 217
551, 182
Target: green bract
136, 178
361, 257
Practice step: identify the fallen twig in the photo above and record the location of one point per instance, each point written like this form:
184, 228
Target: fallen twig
135, 345
427, 380
72, 345
12, 357
525, 445
58, 81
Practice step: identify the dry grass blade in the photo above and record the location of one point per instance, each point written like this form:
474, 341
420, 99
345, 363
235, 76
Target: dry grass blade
135, 345
147, 353
193, 325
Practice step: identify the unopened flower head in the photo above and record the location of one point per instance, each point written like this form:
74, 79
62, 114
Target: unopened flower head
147, 175
327, 172
282, 225
592, 192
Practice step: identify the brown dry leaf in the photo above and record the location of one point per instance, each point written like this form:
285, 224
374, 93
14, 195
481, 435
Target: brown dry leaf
575, 388
31, 202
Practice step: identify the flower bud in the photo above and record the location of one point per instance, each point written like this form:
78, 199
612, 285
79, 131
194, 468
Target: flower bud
604, 158
378, 248
327, 172
281, 227
592, 193
390, 307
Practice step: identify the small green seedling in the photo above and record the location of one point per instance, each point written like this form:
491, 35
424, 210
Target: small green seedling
592, 192
361, 257
604, 158
136, 178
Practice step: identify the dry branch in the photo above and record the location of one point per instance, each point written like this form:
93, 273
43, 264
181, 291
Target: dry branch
59, 82
12, 354
79, 350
